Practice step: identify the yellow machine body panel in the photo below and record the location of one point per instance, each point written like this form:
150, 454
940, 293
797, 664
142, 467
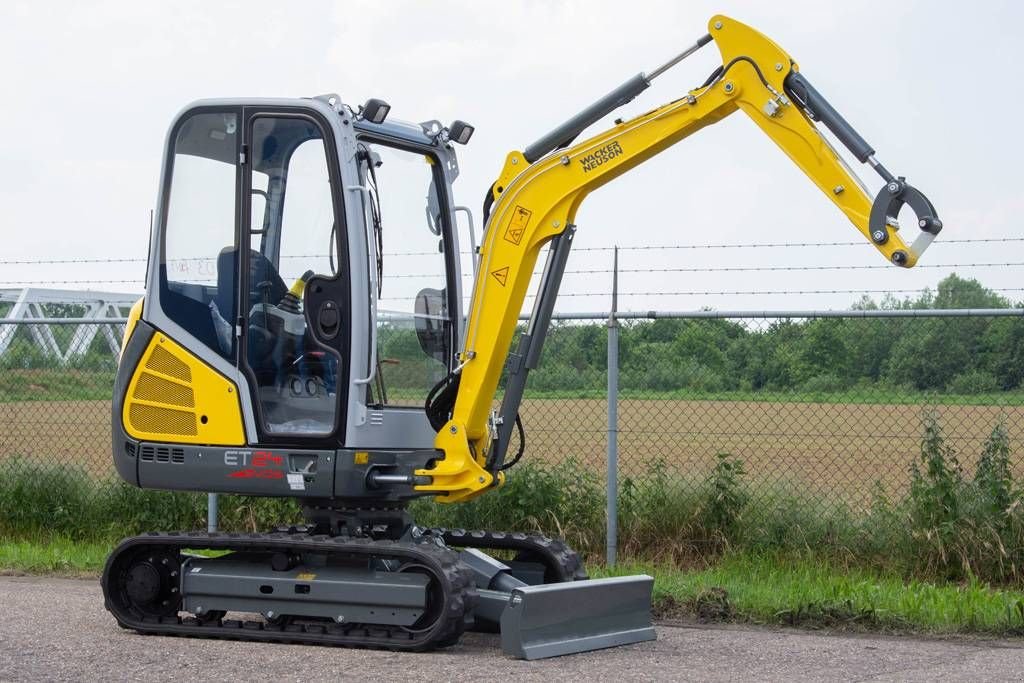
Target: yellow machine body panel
133, 318
174, 397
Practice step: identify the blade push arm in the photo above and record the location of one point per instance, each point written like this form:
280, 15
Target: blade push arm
537, 195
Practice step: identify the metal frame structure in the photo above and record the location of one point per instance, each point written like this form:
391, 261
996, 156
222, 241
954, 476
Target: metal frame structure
29, 307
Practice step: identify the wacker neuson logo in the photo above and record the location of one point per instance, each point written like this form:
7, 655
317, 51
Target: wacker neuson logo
601, 156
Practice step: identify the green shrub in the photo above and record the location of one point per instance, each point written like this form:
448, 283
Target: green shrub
563, 378
973, 382
41, 498
935, 489
726, 497
564, 499
660, 515
993, 476
34, 499
961, 529
25, 355
824, 383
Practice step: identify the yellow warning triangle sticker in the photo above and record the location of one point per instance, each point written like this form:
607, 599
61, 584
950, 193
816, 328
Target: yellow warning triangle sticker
501, 275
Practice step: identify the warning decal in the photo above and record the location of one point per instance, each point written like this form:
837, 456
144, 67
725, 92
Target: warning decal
517, 226
501, 275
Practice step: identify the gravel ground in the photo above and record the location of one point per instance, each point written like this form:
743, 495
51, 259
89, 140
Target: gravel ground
57, 629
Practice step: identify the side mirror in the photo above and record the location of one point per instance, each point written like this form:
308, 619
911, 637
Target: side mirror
432, 324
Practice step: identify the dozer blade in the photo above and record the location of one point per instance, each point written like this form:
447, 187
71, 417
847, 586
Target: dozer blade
578, 616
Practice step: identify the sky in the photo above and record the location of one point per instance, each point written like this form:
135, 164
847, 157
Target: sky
90, 88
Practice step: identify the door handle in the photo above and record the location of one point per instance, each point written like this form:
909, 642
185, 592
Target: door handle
328, 320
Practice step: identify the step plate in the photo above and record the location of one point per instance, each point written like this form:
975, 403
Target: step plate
579, 616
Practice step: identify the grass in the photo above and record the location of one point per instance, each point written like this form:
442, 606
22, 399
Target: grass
807, 591
53, 555
64, 384
89, 509
740, 587
947, 527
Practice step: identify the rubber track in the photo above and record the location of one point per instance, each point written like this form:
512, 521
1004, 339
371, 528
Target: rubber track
459, 588
563, 563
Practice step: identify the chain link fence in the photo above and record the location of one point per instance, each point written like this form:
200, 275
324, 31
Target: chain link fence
805, 424
760, 419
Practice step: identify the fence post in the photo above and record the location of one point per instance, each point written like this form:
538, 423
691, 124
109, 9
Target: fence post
211, 512
612, 512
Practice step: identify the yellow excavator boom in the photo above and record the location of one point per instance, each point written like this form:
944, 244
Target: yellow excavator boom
536, 199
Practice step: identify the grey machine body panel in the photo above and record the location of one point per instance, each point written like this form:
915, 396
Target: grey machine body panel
271, 471
344, 594
288, 472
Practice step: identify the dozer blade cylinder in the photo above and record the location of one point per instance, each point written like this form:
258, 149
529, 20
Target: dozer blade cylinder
564, 618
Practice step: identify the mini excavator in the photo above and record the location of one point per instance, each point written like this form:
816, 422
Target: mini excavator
287, 346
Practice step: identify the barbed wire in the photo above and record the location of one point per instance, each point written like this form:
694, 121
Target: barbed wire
685, 269
87, 282
735, 269
734, 292
783, 292
593, 271
760, 292
654, 247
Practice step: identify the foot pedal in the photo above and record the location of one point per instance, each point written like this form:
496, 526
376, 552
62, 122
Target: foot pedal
578, 616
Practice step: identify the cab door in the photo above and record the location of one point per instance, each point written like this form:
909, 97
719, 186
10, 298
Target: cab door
413, 284
293, 290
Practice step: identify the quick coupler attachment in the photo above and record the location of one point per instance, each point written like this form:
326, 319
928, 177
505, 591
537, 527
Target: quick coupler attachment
895, 194
886, 208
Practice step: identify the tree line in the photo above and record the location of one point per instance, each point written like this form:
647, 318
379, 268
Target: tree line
963, 355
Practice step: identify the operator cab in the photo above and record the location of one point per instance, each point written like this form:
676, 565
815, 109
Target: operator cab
310, 254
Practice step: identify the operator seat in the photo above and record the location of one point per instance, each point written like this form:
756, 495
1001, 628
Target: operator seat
261, 271
265, 286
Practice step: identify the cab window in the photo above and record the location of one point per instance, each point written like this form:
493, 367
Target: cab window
197, 289
414, 324
292, 237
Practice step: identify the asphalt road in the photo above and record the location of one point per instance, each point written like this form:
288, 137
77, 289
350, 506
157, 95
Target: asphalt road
57, 629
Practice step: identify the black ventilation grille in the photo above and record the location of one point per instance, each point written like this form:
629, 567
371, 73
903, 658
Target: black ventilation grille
162, 454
